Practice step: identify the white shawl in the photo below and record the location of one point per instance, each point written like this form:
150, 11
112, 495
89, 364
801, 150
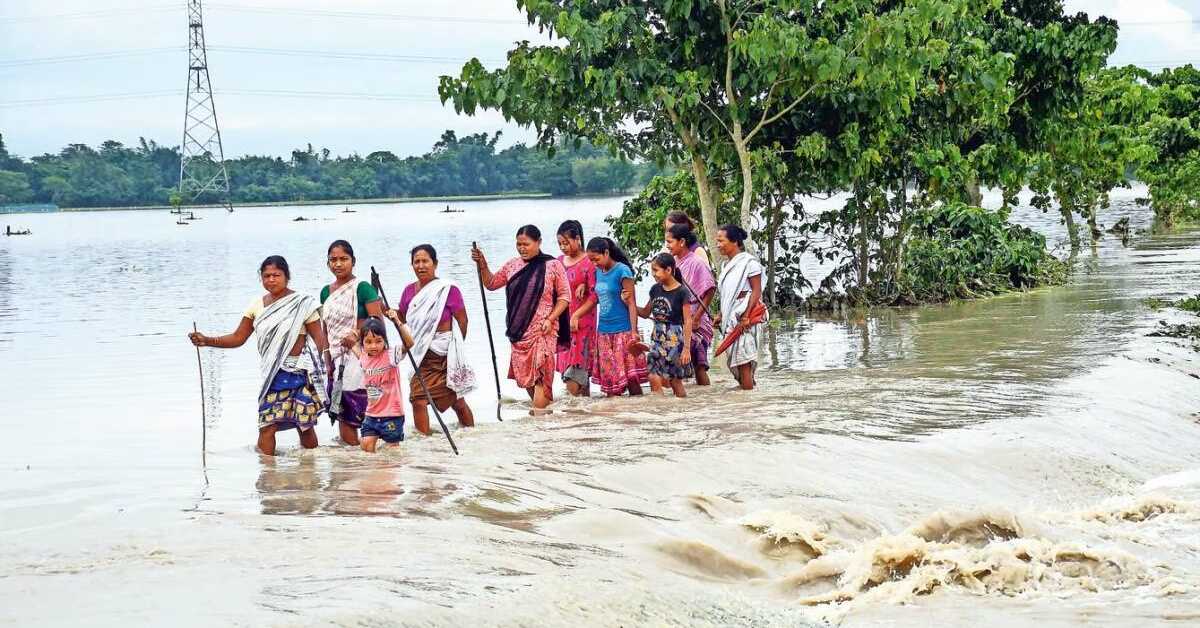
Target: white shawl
735, 279
276, 330
340, 315
423, 316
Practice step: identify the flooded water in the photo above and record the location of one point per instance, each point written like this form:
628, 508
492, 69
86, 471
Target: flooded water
1032, 459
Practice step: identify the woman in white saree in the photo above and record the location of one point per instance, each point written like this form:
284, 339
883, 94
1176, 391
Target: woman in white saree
286, 324
430, 307
345, 306
741, 290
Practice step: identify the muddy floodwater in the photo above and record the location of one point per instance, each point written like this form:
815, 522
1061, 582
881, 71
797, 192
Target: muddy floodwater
1027, 460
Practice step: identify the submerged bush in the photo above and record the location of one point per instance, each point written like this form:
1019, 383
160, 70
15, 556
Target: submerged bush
956, 251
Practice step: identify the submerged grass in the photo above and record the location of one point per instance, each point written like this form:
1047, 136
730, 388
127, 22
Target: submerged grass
1182, 331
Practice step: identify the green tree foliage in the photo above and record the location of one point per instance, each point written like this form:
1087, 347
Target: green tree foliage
1173, 131
1096, 146
957, 251
115, 175
14, 188
908, 106
703, 83
639, 227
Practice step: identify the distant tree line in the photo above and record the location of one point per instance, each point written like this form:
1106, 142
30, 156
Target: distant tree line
117, 175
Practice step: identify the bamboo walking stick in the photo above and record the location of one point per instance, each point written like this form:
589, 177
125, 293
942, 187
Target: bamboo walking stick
203, 407
487, 319
411, 360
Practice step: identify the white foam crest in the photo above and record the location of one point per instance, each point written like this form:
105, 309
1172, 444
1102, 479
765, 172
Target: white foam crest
780, 528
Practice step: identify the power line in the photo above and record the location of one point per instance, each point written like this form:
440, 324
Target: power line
88, 14
1158, 23
273, 93
333, 54
368, 15
288, 93
93, 56
362, 15
283, 52
64, 100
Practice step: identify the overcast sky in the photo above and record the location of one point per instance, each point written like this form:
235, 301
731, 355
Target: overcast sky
1154, 33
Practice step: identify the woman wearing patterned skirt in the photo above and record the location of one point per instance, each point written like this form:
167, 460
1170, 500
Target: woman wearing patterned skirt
618, 366
292, 393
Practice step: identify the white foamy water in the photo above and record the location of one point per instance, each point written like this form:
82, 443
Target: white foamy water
1027, 460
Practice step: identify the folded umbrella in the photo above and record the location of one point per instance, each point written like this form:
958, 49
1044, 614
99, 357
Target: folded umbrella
335, 397
757, 314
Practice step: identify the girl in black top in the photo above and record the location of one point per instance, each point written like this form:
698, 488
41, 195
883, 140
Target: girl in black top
670, 360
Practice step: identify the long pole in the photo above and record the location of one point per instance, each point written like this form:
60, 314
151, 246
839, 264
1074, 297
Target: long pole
411, 360
487, 319
203, 407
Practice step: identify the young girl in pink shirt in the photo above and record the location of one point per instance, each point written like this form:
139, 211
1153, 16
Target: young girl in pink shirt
385, 402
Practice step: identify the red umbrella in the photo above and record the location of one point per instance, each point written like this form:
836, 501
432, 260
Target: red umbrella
757, 314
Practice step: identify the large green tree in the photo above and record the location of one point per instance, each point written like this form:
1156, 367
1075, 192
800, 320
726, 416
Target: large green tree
1173, 176
699, 83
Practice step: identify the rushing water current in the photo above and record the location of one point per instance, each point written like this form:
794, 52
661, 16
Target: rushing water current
1032, 459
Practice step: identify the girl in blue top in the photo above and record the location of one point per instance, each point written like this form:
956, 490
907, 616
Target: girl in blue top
620, 362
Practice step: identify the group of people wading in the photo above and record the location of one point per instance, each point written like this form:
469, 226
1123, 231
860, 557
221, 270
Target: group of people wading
573, 317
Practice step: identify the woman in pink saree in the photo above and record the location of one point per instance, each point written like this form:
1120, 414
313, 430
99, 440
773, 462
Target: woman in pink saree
537, 295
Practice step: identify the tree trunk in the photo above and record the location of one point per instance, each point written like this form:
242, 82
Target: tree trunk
736, 134
743, 153
901, 231
773, 224
1093, 227
864, 247
708, 207
1072, 229
974, 194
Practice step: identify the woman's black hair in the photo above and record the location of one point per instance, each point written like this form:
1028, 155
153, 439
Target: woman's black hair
278, 262
343, 245
607, 245
736, 235
571, 229
375, 326
683, 232
531, 232
666, 260
676, 217
428, 248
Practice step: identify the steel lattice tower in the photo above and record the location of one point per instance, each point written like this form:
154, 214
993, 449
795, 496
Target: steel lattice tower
202, 170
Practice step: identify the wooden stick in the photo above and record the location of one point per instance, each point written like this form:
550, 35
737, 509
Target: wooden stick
203, 407
411, 360
487, 319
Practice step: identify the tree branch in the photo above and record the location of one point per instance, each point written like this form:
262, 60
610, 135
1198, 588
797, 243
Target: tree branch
765, 120
718, 118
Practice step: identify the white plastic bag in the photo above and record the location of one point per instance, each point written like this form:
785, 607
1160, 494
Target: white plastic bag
460, 377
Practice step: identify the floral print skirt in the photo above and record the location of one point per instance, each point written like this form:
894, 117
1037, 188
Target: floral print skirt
614, 368
666, 347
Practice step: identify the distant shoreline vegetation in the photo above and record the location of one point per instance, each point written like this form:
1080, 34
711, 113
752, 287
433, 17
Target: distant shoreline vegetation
337, 203
116, 176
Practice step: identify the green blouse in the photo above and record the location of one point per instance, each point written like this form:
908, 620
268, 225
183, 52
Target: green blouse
366, 294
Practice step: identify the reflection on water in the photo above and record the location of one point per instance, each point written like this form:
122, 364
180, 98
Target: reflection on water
997, 449
290, 487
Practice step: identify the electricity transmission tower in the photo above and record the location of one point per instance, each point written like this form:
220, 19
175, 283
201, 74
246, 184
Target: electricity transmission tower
202, 173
